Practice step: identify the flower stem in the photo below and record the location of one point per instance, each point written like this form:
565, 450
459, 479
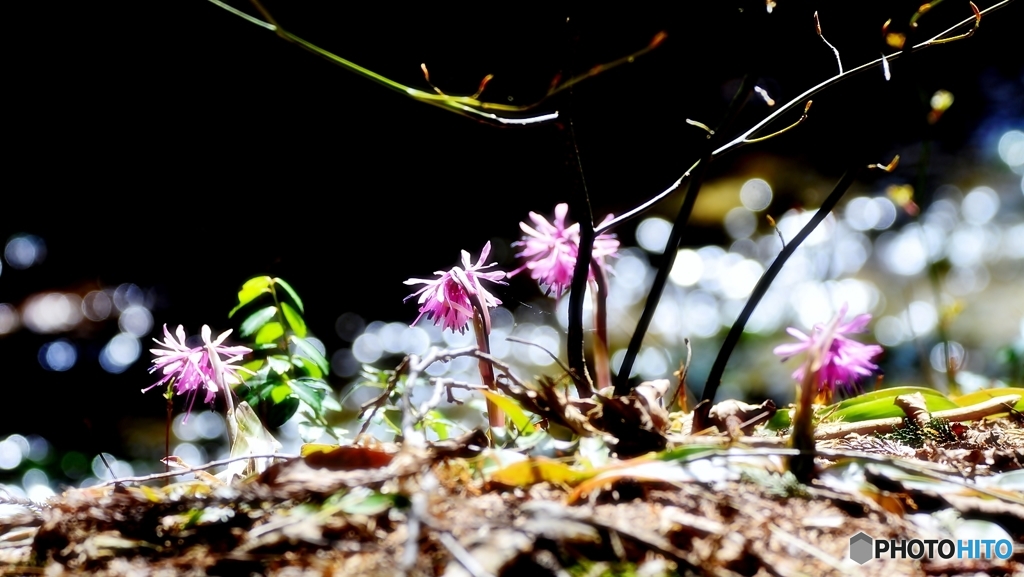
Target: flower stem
169, 395
802, 435
482, 328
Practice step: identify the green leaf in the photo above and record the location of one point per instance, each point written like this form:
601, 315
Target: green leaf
324, 390
279, 364
252, 288
781, 420
311, 352
281, 412
515, 413
319, 384
884, 408
254, 366
256, 320
365, 502
308, 366
280, 393
291, 292
867, 405
263, 391
269, 333
308, 395
294, 320
890, 393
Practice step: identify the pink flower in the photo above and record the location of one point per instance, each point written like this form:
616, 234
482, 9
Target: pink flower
446, 299
196, 368
843, 362
551, 248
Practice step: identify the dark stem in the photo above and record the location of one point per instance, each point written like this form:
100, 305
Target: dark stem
731, 339
602, 361
622, 384
579, 207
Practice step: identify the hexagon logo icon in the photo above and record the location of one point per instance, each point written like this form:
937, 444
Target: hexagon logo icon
860, 548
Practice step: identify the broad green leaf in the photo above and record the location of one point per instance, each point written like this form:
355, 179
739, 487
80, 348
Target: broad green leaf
331, 404
871, 403
294, 319
256, 320
440, 424
986, 394
885, 408
440, 429
308, 395
328, 400
390, 422
308, 366
263, 391
890, 393
280, 393
316, 384
362, 501
291, 292
519, 418
255, 366
311, 352
262, 375
252, 288
279, 364
781, 420
686, 452
269, 333
279, 413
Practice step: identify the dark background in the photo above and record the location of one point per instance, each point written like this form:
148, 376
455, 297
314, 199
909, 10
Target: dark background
180, 148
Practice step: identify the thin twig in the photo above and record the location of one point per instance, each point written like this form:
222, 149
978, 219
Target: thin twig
817, 27
469, 106
210, 465
553, 356
742, 139
803, 117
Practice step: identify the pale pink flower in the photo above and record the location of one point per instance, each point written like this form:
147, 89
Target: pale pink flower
550, 249
844, 361
208, 366
446, 298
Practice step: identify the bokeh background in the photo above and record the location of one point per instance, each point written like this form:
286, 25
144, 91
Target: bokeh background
161, 154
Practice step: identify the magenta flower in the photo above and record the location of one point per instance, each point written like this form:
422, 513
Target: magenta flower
843, 361
446, 299
551, 248
190, 369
